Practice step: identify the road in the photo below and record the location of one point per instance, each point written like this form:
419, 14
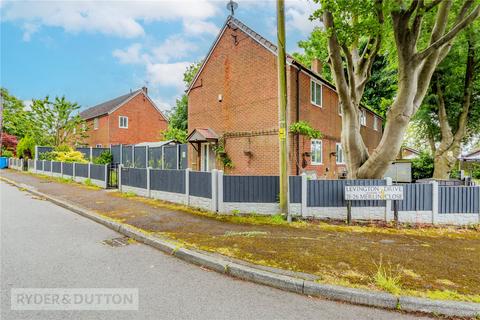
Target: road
46, 246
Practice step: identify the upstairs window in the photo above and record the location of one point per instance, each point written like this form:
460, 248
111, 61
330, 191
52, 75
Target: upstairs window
316, 151
315, 93
123, 122
363, 117
375, 123
340, 158
95, 124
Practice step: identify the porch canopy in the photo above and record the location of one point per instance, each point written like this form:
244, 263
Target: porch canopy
200, 135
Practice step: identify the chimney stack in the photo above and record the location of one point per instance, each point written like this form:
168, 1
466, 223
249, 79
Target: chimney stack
317, 66
145, 89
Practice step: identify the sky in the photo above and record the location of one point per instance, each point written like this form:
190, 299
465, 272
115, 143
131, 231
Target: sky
93, 51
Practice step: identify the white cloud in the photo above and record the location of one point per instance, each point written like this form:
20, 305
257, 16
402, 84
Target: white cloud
119, 18
131, 55
196, 27
174, 47
167, 74
28, 30
297, 15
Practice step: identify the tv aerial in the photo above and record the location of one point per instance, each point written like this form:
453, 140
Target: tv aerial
232, 6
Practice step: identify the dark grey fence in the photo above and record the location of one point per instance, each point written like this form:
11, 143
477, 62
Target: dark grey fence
155, 157
56, 167
97, 171
39, 164
127, 155
68, 168
416, 197
251, 189
167, 180
200, 184
459, 199
170, 157
47, 166
85, 151
134, 177
115, 150
331, 193
140, 157
81, 170
42, 150
295, 189
96, 152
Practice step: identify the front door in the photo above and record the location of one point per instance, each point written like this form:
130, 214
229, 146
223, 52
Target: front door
207, 157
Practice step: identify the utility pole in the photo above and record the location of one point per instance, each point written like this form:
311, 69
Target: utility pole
282, 104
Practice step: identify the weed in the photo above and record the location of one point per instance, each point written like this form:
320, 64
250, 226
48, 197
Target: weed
386, 279
88, 182
128, 194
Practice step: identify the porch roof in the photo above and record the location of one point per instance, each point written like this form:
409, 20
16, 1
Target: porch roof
202, 135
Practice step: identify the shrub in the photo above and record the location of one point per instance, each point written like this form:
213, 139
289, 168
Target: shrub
69, 156
49, 156
422, 167
105, 157
7, 153
26, 147
62, 148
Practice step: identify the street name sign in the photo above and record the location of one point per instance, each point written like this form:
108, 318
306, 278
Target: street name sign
373, 192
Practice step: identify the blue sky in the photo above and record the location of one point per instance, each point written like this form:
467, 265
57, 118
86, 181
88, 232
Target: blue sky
92, 51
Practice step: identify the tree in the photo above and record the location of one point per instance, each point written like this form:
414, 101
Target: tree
58, 120
26, 148
421, 34
178, 117
450, 114
16, 119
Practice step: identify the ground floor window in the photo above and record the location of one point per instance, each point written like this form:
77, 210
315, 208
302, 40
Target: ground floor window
207, 157
340, 157
316, 150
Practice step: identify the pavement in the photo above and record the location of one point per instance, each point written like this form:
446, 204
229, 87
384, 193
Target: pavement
46, 246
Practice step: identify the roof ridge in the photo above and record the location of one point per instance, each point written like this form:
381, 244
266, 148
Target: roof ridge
106, 106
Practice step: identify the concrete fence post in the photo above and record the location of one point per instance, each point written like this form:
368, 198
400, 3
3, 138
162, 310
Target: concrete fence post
61, 169
146, 157
149, 193
36, 153
133, 156
388, 203
163, 157
303, 210
74, 173
435, 198
187, 185
220, 207
119, 178
214, 180
51, 168
43, 166
106, 176
91, 155
178, 157
121, 153
89, 164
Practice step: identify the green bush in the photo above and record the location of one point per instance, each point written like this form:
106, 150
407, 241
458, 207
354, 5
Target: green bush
26, 148
63, 148
7, 153
48, 156
422, 167
105, 157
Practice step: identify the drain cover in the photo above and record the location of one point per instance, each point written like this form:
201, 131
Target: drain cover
117, 242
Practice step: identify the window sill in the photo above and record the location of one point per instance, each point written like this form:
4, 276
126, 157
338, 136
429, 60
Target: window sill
315, 105
317, 163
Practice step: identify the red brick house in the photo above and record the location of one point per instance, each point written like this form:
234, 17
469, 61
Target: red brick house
128, 119
233, 100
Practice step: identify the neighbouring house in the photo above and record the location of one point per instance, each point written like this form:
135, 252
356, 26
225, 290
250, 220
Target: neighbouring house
233, 103
407, 153
128, 119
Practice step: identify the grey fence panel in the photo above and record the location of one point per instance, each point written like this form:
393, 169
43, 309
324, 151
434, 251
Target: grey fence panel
81, 170
39, 164
251, 189
97, 172
85, 151
183, 156
140, 157
416, 197
295, 189
56, 167
42, 150
30, 164
96, 152
115, 150
170, 157
459, 199
200, 184
68, 168
167, 180
47, 166
134, 177
155, 157
127, 160
330, 193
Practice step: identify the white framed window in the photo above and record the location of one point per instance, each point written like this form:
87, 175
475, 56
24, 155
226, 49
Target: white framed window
375, 123
340, 157
98, 146
95, 124
315, 93
316, 151
363, 117
123, 122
